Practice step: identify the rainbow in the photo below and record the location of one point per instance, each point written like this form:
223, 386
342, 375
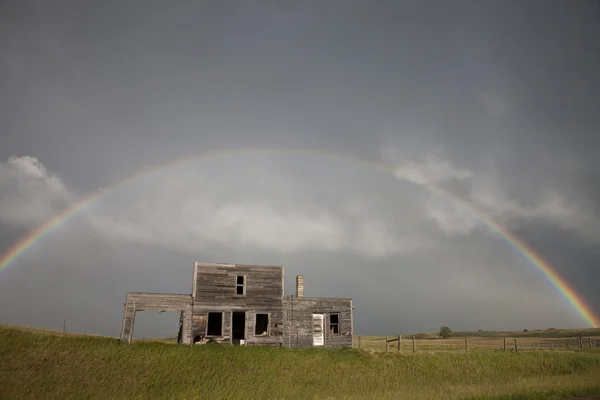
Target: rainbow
552, 276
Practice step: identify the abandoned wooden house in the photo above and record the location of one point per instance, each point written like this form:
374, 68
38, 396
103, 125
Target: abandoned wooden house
246, 305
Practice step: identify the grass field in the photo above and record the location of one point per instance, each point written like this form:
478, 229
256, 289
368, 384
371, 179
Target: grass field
41, 365
525, 341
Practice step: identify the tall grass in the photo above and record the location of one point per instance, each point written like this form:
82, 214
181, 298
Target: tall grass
378, 343
40, 365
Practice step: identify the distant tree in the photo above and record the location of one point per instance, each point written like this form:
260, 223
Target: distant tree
445, 332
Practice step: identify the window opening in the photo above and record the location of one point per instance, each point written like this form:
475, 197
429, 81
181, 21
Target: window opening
240, 286
334, 324
261, 327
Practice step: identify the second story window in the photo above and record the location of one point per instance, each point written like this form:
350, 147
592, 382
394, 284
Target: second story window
240, 286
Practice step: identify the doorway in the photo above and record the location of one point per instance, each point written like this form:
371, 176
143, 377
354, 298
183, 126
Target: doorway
318, 329
214, 327
238, 327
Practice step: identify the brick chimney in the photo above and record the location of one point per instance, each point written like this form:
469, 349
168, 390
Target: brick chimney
299, 286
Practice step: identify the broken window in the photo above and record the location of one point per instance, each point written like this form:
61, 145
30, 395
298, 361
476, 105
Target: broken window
261, 327
240, 285
215, 324
334, 324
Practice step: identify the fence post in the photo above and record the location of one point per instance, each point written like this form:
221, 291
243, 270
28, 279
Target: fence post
466, 346
516, 348
590, 342
400, 342
505, 344
567, 343
414, 345
536, 347
387, 344
551, 344
359, 341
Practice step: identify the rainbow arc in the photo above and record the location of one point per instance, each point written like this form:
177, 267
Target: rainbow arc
576, 301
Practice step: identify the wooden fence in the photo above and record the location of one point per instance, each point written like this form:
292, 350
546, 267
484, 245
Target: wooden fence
401, 343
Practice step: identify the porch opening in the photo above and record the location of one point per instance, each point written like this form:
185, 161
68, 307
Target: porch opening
214, 326
157, 326
238, 326
261, 328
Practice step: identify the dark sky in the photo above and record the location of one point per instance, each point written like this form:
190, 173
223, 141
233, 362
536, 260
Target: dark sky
496, 100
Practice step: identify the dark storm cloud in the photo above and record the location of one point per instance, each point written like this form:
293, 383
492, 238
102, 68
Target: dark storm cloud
496, 100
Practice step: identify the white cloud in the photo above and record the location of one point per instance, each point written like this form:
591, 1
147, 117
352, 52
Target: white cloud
197, 222
193, 210
189, 210
450, 218
489, 193
256, 224
433, 170
29, 194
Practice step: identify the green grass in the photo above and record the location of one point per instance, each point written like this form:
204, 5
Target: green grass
552, 333
377, 343
41, 365
547, 333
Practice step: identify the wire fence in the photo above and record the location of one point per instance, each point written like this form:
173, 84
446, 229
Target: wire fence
411, 344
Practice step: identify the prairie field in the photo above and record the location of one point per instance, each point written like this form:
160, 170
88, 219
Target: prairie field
48, 365
564, 339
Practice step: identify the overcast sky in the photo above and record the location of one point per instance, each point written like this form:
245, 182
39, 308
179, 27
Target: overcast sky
499, 101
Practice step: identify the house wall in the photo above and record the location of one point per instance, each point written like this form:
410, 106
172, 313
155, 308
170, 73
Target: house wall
214, 290
298, 313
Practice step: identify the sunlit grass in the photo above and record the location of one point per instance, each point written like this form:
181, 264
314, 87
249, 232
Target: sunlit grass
490, 341
35, 364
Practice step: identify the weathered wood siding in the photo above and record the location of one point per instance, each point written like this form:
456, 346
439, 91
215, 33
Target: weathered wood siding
138, 301
215, 291
298, 313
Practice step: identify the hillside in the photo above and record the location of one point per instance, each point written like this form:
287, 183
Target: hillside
39, 364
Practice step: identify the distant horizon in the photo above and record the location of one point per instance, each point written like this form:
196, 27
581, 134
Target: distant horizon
391, 335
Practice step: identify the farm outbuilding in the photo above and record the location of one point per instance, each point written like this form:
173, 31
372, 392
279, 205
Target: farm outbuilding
246, 305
